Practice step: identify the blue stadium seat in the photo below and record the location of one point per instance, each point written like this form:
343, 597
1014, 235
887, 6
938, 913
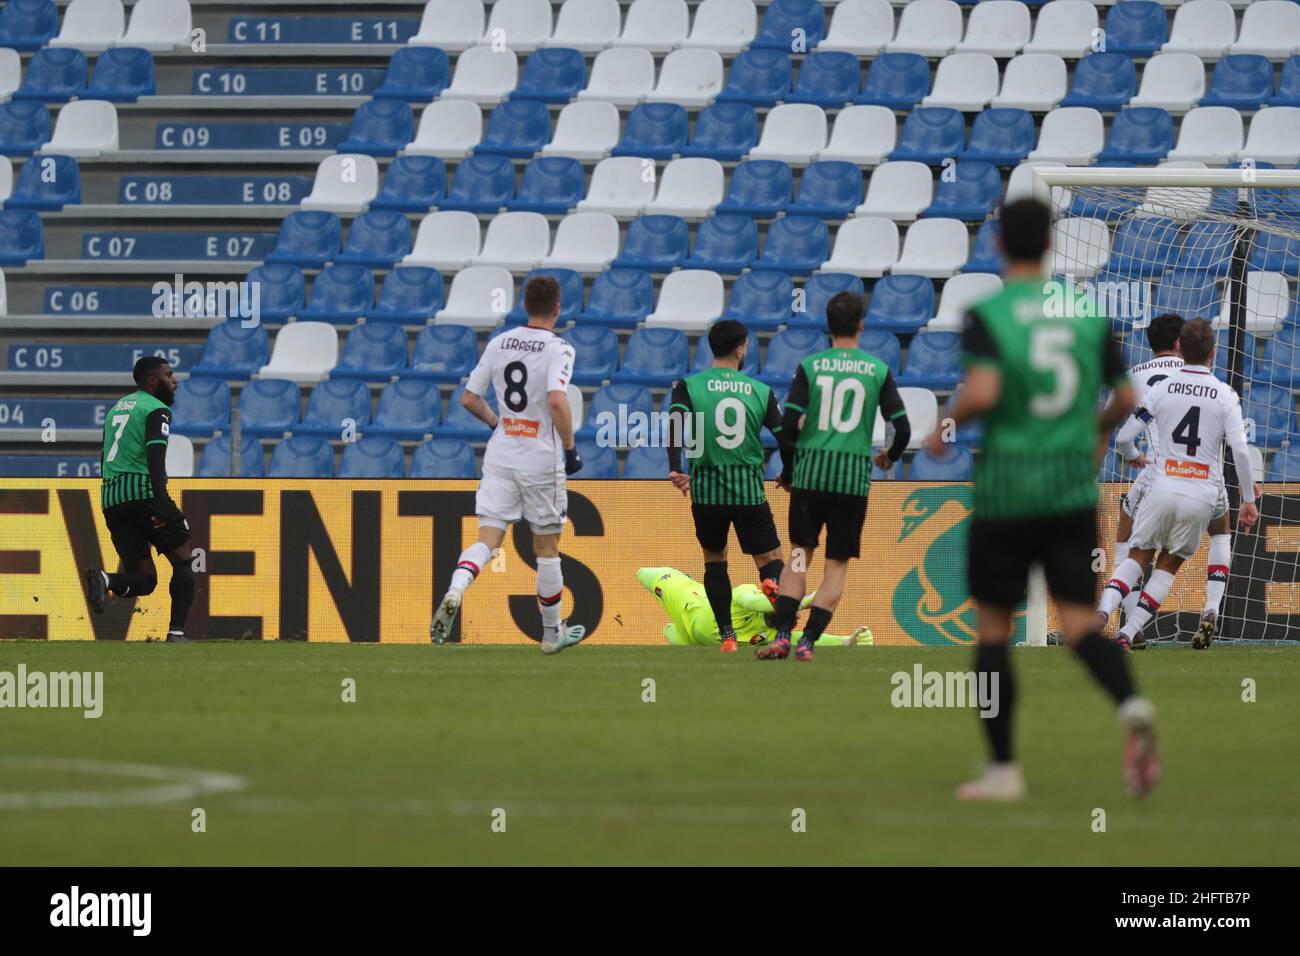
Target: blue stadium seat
894, 474
1190, 293
552, 75
412, 184
653, 130
374, 351
376, 457
1143, 246
597, 462
233, 351
646, 464
1243, 81
1285, 465
724, 244
482, 184
595, 353
704, 355
377, 239
828, 78
379, 128
795, 244
1223, 354
932, 361
620, 298
308, 238
1139, 135
457, 422
986, 256
21, 237
570, 296
551, 185
54, 75
122, 75
1276, 253
1136, 349
443, 353
47, 183
516, 128
897, 80
269, 406
1288, 85
417, 74
201, 407
282, 290
611, 413
1103, 81
762, 300
786, 350
28, 24
773, 471
302, 457
1136, 28
1001, 136
818, 292
408, 408
410, 294
783, 17
758, 78
332, 404
1208, 247
1279, 363
900, 303
340, 293
930, 135
959, 465
444, 458
971, 195
215, 460
884, 346
654, 357
831, 190
724, 131
24, 128
1113, 468
1273, 410
654, 243
762, 188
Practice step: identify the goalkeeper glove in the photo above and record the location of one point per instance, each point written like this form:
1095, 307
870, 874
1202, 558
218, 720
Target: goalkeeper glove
572, 461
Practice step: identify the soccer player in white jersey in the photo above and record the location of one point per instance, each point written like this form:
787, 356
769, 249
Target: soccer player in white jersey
530, 453
1194, 414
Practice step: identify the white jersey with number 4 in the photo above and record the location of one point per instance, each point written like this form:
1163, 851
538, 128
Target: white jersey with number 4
1193, 413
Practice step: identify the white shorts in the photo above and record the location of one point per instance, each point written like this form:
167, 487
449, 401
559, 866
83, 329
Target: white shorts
1172, 523
506, 496
1141, 487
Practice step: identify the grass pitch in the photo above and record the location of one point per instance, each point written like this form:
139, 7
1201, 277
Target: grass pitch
585, 771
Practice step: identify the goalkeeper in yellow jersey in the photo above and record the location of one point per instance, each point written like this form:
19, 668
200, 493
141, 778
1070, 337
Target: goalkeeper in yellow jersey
692, 622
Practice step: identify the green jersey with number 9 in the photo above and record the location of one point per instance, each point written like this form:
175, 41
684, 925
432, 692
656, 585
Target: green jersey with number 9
730, 409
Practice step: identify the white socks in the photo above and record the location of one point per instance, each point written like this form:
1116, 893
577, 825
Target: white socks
1125, 581
471, 562
550, 591
1153, 595
1216, 571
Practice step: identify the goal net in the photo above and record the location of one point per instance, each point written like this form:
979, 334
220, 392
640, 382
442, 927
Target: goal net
1221, 245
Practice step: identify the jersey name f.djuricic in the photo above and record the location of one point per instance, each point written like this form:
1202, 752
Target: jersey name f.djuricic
728, 411
838, 392
1040, 438
137, 421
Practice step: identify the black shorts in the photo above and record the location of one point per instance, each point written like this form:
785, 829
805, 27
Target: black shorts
755, 529
1001, 552
131, 526
843, 516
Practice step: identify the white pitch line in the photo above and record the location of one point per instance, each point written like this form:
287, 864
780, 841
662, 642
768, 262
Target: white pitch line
178, 783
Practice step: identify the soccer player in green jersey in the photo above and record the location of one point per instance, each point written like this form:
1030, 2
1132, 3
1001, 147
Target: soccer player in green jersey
137, 508
1037, 355
728, 411
825, 437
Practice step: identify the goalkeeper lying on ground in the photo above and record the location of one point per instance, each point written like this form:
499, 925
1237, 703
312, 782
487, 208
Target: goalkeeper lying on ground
693, 623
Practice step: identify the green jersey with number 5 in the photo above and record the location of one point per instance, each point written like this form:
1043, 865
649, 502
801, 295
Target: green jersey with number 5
730, 410
1055, 351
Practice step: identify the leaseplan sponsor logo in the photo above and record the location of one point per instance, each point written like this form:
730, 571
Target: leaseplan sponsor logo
75, 908
77, 690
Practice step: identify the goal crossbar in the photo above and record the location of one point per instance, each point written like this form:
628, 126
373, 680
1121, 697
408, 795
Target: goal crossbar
1045, 177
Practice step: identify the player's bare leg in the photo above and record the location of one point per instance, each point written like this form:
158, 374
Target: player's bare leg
793, 586
468, 568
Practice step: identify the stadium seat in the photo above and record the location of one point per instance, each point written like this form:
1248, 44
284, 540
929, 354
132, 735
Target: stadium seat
584, 242
1268, 303
91, 26
47, 183
416, 74
302, 457
21, 237
1272, 409
1213, 135
1288, 85
11, 72
986, 256
1072, 136
704, 355
282, 290
1142, 247
54, 76
827, 78
758, 78
1242, 81
932, 361
831, 190
379, 128
620, 298
1192, 294
1065, 28
516, 241
996, 27
453, 25
860, 27
725, 244
158, 25
449, 129
85, 128
656, 130
762, 300
1080, 247
551, 185
1269, 28
523, 25
201, 407
457, 422
931, 135
343, 184
645, 463
342, 292
1001, 136
866, 246
931, 28
376, 457
795, 244
595, 353
724, 131
484, 75
215, 460
410, 295
480, 297
655, 25
1273, 252
1103, 81
958, 465
1021, 183
335, 406
571, 294
598, 462
1032, 81
959, 293
655, 357
1137, 28
900, 303
898, 81
690, 300
481, 184
516, 128
786, 350
232, 350
373, 351
554, 75
1203, 28
308, 238
304, 352
411, 184
443, 353
1279, 364
759, 188
691, 188
269, 407
612, 411
793, 133
971, 194
726, 26
689, 78
773, 471
446, 241
784, 20
884, 346
28, 24
964, 81
898, 191
936, 248
1285, 465
623, 76
1172, 81
864, 135
444, 458
618, 187
584, 131
818, 291
122, 76
587, 26
1274, 135
922, 413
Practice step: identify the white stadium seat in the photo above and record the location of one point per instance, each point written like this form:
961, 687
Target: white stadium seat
179, 457
1080, 247
934, 247
898, 191
691, 78
11, 72
1064, 27
91, 26
959, 294
449, 129
1073, 135
1171, 81
922, 414
1270, 28
1268, 303
453, 25
620, 186
586, 130
690, 188
1021, 183
865, 246
690, 300
85, 129
655, 25
1256, 462
517, 241
6, 178
1274, 136
927, 27
158, 25
587, 25
344, 183
997, 27
480, 297
304, 352
1176, 202
793, 133
483, 75
865, 135
1210, 134
728, 26
520, 25
4, 299
863, 27
1205, 28
1034, 82
586, 242
623, 76
445, 241
964, 81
